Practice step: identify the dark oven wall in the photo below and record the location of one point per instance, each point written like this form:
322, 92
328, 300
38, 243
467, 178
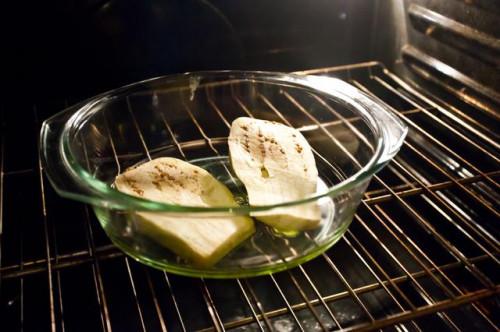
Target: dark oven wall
455, 40
75, 49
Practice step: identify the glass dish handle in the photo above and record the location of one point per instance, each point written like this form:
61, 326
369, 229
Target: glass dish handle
52, 158
391, 128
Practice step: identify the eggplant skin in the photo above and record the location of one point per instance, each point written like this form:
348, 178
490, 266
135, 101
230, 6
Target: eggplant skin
276, 164
203, 241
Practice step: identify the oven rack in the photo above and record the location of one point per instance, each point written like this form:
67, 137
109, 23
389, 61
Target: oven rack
422, 250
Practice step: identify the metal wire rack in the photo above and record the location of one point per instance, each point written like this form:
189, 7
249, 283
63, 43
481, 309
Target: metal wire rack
422, 251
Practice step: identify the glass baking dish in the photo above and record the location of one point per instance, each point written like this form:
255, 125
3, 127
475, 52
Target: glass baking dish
187, 116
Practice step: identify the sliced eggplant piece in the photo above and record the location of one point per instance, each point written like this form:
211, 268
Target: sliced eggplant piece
201, 240
276, 165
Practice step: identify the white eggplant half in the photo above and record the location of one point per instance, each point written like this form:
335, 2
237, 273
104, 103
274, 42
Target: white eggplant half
201, 240
276, 165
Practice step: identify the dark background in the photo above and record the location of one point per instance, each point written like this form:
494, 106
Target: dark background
64, 51
76, 49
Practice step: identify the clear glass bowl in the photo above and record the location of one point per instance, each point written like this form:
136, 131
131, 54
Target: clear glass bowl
188, 116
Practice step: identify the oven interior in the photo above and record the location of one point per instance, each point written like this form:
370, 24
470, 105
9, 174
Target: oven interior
422, 252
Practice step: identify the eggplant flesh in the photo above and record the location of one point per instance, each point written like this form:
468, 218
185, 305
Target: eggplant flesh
201, 240
276, 164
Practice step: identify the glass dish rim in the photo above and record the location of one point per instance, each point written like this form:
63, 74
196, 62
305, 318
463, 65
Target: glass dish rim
129, 202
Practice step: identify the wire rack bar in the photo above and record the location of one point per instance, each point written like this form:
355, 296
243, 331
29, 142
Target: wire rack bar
155, 301
2, 174
18, 172
440, 169
250, 305
65, 261
174, 300
424, 310
477, 273
451, 209
366, 90
47, 244
380, 195
326, 132
262, 314
334, 69
134, 292
420, 96
426, 225
402, 317
428, 135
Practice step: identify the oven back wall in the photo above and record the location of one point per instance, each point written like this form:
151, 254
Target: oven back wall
77, 49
